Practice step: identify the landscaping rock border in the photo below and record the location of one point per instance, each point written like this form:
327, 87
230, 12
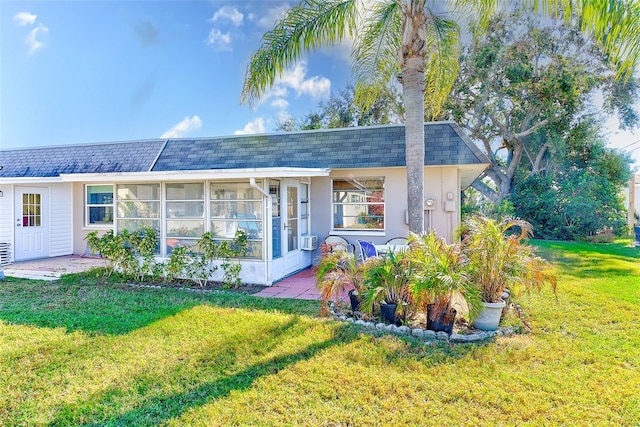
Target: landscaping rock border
425, 335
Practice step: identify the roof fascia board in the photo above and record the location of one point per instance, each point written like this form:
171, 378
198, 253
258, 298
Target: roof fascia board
31, 180
199, 174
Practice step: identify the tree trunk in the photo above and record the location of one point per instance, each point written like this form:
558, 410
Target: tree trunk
412, 58
413, 93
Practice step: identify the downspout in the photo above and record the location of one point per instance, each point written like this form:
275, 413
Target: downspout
265, 246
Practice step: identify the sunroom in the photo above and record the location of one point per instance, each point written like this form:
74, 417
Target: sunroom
271, 206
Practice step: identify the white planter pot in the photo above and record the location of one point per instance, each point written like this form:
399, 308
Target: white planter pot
489, 317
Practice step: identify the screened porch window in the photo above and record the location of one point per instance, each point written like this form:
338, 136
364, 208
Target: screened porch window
184, 214
138, 207
99, 205
358, 204
234, 206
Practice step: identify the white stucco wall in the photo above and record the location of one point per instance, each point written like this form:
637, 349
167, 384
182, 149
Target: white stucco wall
439, 182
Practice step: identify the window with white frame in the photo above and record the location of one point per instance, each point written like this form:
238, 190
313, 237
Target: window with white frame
184, 214
99, 205
138, 206
234, 206
358, 203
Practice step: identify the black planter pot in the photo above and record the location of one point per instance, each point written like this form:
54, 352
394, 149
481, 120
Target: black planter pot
443, 321
355, 300
388, 312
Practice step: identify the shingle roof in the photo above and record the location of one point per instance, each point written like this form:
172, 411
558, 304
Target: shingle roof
375, 146
137, 156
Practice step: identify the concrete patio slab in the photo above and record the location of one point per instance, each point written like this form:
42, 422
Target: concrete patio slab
52, 268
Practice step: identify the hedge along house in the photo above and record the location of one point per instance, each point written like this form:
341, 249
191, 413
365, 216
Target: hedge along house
287, 191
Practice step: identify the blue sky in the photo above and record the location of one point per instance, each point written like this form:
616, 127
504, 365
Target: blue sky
77, 72
97, 71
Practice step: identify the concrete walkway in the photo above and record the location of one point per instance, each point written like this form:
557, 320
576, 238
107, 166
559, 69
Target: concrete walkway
301, 285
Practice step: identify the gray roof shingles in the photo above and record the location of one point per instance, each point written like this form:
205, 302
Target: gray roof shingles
134, 156
376, 146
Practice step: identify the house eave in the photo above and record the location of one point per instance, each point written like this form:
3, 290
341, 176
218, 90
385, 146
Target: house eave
30, 180
197, 174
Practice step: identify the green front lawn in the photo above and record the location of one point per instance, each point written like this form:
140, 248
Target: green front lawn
76, 353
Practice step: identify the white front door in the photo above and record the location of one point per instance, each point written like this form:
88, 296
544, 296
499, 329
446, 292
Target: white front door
291, 225
31, 223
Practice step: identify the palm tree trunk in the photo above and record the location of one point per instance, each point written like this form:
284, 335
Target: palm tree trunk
413, 94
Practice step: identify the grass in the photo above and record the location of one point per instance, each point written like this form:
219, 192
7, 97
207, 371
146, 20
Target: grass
76, 353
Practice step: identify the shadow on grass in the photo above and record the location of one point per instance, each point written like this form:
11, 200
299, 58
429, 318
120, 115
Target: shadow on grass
82, 302
156, 410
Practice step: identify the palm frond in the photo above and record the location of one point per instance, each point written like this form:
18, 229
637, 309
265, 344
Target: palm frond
441, 65
307, 27
375, 56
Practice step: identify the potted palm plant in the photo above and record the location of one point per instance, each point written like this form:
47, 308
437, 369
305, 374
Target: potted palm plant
336, 273
439, 274
386, 283
498, 261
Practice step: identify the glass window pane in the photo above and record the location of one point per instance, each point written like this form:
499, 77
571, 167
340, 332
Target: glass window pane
139, 191
137, 224
99, 194
172, 243
138, 209
186, 191
101, 215
234, 191
185, 209
182, 228
224, 228
236, 209
37, 220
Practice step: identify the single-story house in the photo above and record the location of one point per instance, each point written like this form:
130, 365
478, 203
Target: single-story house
286, 190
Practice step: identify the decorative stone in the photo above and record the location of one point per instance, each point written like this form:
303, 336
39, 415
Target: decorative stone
454, 338
392, 328
350, 319
417, 332
381, 326
369, 325
474, 338
360, 322
404, 330
442, 335
343, 317
428, 333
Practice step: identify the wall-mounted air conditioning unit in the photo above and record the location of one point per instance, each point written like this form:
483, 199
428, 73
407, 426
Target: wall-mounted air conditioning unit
309, 242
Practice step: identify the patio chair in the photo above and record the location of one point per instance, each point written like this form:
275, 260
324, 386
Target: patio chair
397, 241
337, 243
367, 249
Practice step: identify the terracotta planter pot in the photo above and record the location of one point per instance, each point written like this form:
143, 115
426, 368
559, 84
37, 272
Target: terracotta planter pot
489, 317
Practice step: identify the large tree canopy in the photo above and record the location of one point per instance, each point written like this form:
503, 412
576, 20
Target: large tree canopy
420, 44
522, 86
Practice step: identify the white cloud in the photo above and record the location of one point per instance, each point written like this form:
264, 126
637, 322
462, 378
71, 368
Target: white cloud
315, 86
255, 126
219, 40
295, 79
25, 18
280, 103
228, 13
33, 41
268, 19
188, 124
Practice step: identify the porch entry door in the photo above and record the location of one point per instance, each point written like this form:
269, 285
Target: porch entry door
291, 227
31, 223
